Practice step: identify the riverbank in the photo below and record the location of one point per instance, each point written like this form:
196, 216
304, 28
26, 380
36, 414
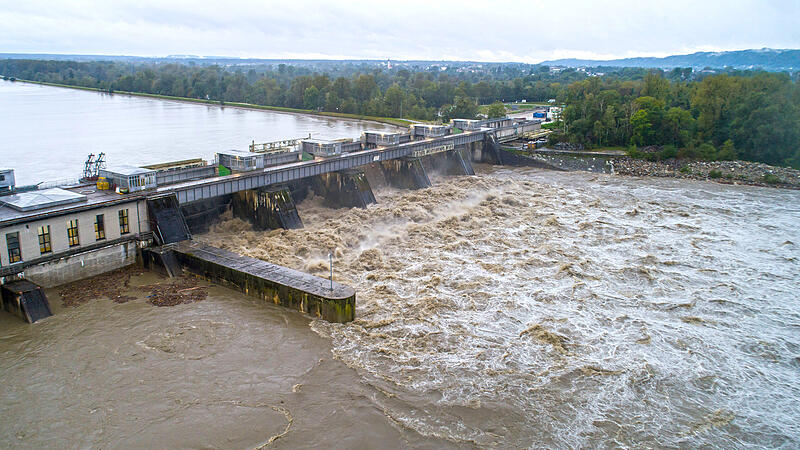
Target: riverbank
726, 172
387, 120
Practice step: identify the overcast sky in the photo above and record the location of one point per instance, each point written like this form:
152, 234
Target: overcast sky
508, 30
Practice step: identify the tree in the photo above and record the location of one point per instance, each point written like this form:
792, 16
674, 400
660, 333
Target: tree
647, 123
707, 151
496, 110
680, 126
727, 152
462, 108
312, 98
394, 100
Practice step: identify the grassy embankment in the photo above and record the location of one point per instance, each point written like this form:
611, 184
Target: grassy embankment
387, 120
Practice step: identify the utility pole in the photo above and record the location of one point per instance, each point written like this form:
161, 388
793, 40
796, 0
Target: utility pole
330, 259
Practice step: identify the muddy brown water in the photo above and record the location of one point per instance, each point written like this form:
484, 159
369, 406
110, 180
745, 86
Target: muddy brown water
515, 308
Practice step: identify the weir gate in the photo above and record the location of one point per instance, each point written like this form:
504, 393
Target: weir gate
261, 187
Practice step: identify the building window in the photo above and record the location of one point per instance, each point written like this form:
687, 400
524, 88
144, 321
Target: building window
14, 252
99, 228
44, 240
72, 233
124, 228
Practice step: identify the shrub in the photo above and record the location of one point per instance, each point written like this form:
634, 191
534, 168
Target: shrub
707, 152
668, 152
770, 178
634, 152
715, 174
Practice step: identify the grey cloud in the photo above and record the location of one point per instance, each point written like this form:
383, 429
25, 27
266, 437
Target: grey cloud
515, 30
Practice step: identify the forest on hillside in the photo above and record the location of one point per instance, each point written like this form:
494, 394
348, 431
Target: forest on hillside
695, 114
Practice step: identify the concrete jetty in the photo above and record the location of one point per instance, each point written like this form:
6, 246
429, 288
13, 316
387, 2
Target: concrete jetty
271, 282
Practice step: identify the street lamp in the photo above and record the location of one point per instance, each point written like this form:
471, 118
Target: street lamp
330, 260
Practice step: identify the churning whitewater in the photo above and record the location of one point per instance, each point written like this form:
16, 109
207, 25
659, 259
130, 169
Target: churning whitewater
521, 307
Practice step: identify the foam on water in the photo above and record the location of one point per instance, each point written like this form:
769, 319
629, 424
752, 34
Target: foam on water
524, 307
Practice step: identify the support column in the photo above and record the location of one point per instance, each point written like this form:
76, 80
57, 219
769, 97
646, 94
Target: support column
201, 214
344, 189
25, 300
166, 219
450, 162
491, 150
406, 173
267, 208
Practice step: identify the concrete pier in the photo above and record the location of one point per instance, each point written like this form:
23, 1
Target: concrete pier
267, 208
405, 173
277, 284
200, 215
166, 219
451, 162
345, 189
489, 150
25, 300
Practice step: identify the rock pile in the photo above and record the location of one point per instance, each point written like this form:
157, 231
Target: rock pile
731, 172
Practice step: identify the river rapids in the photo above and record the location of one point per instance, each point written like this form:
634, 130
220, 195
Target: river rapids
522, 307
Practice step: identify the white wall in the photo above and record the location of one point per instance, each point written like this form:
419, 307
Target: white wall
29, 237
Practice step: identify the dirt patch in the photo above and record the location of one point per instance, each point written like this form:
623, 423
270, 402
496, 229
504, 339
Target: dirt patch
181, 290
111, 284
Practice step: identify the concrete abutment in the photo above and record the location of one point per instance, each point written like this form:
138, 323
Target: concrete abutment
405, 173
267, 208
344, 189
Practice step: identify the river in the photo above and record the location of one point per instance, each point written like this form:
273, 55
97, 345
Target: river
531, 308
515, 308
47, 132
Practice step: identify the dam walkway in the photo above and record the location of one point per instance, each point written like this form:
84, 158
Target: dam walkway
283, 286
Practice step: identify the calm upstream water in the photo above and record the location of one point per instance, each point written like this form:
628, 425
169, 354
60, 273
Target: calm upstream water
47, 132
515, 308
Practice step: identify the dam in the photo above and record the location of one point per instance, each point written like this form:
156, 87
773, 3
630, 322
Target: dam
66, 233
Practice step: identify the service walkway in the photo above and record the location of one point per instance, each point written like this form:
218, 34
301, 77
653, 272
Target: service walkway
278, 284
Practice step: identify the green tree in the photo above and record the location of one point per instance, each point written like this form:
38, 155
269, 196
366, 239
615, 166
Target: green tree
727, 152
496, 110
647, 122
312, 99
394, 100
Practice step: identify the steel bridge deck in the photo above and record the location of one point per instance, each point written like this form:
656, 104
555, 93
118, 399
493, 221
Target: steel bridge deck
213, 187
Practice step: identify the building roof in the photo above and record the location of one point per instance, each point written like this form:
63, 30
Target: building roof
93, 198
386, 133
242, 153
126, 170
33, 200
322, 141
428, 125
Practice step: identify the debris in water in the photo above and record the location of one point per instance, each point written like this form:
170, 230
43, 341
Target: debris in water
110, 284
184, 290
